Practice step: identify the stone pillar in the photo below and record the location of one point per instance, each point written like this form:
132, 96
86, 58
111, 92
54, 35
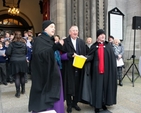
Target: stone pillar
106, 18
61, 18
93, 20
87, 18
78, 12
68, 15
58, 15
100, 14
74, 9
81, 19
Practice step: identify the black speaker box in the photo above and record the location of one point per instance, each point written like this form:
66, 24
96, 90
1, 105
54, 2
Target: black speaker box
136, 24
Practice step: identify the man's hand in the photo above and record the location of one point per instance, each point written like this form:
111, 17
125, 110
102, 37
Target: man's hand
61, 42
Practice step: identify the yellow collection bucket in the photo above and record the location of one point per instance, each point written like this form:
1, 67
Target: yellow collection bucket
79, 61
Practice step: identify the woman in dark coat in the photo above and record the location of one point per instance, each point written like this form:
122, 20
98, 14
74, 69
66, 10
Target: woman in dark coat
17, 51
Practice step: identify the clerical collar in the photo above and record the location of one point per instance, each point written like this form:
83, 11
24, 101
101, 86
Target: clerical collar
100, 42
73, 39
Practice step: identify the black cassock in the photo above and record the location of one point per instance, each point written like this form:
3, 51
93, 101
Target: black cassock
104, 86
45, 88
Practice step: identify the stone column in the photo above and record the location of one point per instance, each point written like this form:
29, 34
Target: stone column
80, 19
100, 14
61, 18
58, 15
87, 18
68, 16
106, 18
93, 20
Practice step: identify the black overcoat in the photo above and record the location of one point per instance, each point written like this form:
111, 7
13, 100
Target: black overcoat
68, 68
104, 86
45, 89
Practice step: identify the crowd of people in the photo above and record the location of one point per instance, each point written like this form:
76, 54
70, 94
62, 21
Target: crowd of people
48, 59
15, 56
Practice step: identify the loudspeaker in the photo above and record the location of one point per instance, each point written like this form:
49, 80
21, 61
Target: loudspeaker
136, 23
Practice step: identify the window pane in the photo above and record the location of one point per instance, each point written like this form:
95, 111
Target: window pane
5, 21
15, 22
11, 21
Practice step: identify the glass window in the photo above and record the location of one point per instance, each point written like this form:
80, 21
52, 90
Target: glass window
11, 21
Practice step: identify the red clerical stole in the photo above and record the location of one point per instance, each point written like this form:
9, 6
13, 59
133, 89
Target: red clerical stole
101, 58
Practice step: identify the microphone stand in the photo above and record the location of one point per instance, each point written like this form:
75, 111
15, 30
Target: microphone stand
133, 65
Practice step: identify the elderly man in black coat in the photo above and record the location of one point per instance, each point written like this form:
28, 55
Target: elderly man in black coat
73, 76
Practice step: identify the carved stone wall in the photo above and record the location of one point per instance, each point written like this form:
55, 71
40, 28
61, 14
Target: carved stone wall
80, 16
100, 14
88, 15
74, 12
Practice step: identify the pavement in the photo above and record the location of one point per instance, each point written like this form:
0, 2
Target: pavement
128, 99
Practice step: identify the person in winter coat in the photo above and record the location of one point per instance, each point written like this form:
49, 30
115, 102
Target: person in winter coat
73, 77
17, 51
103, 73
46, 91
3, 77
119, 51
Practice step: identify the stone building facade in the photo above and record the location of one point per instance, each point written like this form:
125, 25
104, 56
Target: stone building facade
90, 15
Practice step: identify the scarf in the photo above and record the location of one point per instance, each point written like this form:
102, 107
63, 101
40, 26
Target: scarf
58, 59
101, 58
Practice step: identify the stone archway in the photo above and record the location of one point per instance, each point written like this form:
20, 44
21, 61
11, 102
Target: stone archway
13, 23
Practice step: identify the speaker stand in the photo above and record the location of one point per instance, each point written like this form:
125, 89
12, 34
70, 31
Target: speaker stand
133, 65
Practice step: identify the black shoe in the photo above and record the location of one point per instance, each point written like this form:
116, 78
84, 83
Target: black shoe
120, 82
104, 107
23, 91
97, 110
17, 94
69, 109
11, 82
5, 83
76, 107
